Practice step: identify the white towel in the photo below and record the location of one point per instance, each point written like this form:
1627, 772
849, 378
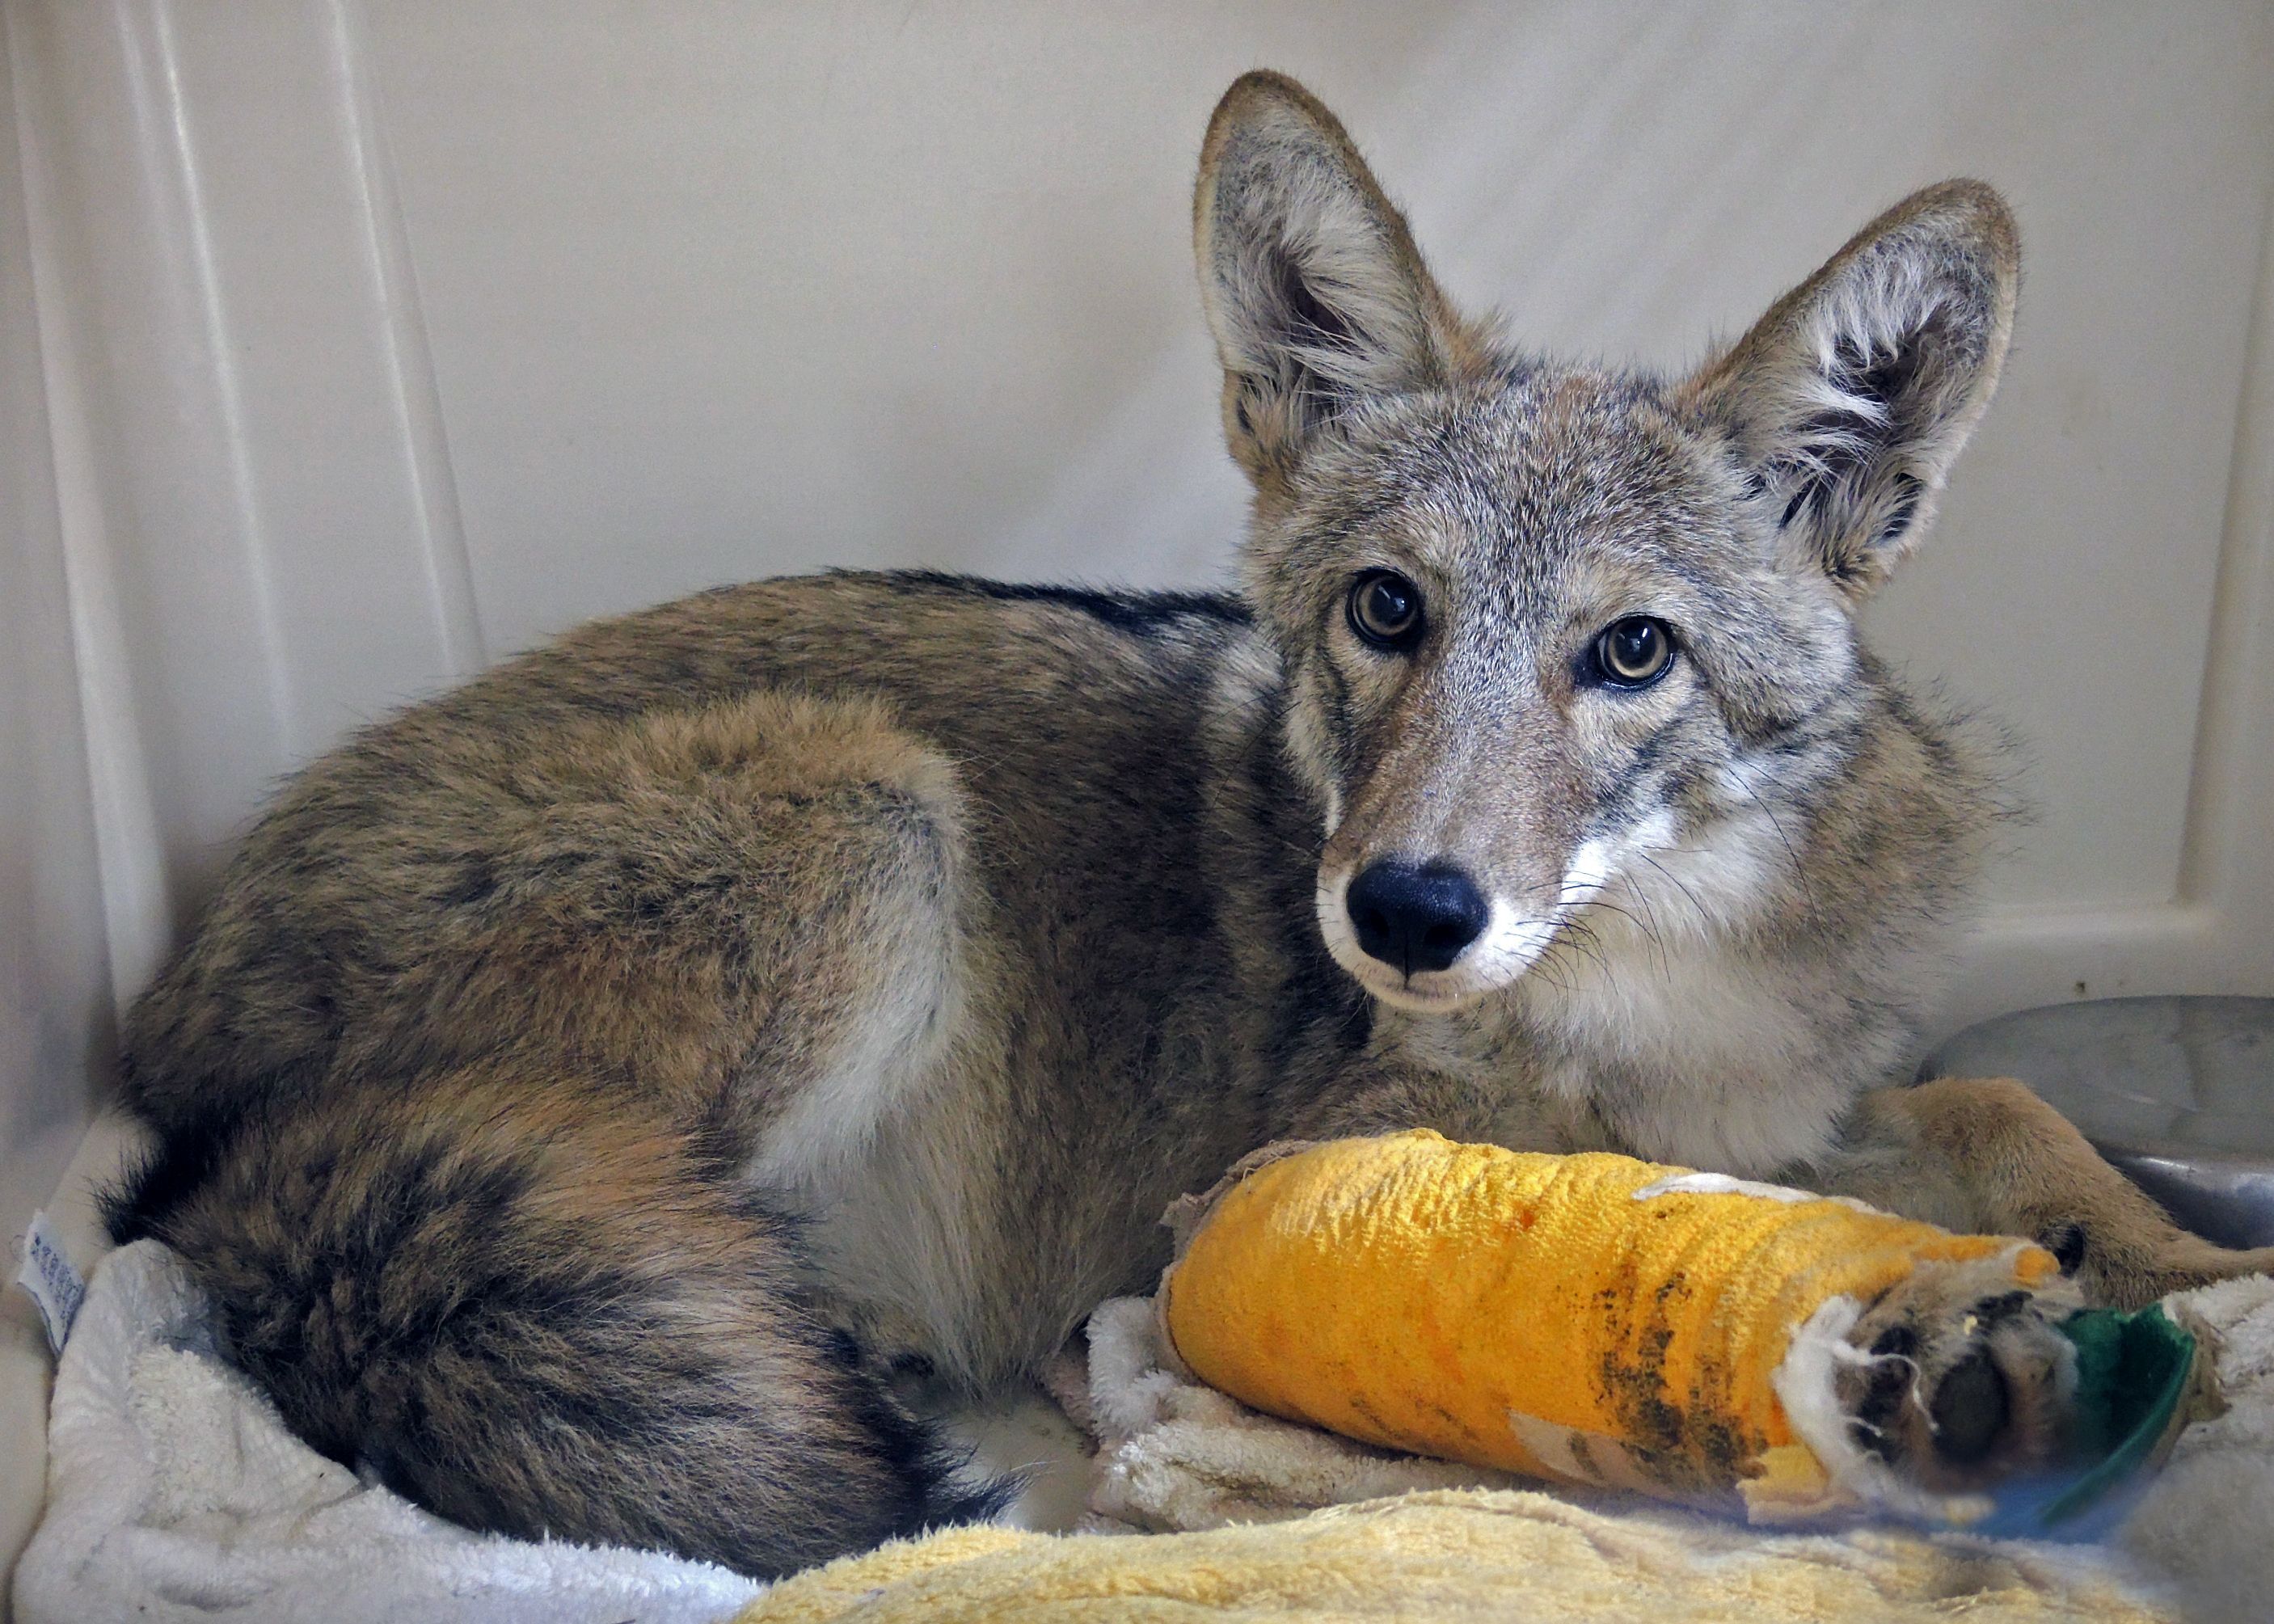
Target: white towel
175, 1493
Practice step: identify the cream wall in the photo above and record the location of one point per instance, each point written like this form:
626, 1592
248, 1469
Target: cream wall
346, 345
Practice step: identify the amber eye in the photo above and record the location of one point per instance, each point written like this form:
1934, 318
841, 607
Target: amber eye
1385, 609
1634, 652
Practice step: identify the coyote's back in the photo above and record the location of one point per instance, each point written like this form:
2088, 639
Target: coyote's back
584, 1087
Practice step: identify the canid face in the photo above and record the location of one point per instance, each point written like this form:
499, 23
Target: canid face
1609, 665
1556, 637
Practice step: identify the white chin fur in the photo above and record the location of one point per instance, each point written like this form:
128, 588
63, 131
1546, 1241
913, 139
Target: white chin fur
1512, 941
1508, 948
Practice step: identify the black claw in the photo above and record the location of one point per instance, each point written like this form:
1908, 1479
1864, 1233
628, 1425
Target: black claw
1996, 1310
2066, 1242
1897, 1341
1873, 1425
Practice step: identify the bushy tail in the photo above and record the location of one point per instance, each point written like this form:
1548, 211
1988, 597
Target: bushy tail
532, 1316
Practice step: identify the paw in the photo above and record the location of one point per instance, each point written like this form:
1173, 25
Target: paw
1958, 1379
2128, 1266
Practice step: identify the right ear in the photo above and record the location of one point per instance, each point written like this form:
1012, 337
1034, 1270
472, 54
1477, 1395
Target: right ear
1312, 285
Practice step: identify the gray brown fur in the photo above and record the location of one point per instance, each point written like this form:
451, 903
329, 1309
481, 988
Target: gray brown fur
585, 1084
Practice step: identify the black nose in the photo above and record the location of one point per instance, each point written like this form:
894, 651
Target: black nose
1417, 916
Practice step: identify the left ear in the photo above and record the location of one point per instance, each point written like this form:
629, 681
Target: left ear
1851, 398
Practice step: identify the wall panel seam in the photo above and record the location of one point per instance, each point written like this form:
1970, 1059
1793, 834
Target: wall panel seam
213, 310
415, 387
2237, 657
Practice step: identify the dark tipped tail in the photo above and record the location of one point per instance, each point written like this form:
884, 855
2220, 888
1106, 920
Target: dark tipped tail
534, 1317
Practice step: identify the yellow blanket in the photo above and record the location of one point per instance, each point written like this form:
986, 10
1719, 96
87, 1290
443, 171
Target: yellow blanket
1453, 1556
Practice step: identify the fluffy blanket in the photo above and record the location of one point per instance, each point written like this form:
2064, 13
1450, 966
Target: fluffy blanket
175, 1493
1451, 1555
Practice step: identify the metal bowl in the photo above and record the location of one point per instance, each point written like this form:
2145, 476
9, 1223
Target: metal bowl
2177, 1092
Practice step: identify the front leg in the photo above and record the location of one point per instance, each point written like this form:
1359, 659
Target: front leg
1955, 1379
1991, 1157
1384, 1094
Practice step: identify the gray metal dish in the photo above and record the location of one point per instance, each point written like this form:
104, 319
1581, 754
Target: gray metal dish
2177, 1092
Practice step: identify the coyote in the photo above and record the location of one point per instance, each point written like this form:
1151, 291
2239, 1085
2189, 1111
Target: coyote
592, 1093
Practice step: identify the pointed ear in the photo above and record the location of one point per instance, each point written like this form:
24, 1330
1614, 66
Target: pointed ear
1313, 287
1850, 400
